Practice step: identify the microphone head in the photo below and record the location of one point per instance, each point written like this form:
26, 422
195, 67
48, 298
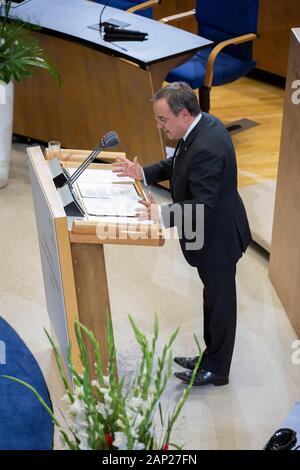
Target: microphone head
110, 139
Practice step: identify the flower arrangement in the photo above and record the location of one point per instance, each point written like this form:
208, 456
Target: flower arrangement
107, 413
19, 52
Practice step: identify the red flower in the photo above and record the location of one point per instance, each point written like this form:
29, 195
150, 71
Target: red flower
165, 446
109, 440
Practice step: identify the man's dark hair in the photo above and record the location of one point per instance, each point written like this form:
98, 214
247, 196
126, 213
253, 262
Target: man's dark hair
179, 95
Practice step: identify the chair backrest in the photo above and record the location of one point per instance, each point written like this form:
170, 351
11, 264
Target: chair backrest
125, 4
219, 20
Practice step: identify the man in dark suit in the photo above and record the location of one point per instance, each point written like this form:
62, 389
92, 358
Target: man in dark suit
203, 175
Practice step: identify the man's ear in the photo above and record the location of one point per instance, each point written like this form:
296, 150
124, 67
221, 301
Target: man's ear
185, 114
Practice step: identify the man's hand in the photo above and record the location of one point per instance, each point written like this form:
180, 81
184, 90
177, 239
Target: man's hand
124, 167
149, 211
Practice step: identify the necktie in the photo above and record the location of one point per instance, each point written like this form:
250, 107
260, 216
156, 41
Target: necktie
179, 151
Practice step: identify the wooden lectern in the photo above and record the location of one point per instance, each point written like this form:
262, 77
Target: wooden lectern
72, 254
285, 248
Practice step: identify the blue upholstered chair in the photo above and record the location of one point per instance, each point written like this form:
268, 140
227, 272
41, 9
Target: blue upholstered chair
141, 7
232, 26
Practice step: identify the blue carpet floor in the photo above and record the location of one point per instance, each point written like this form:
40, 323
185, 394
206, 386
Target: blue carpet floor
24, 423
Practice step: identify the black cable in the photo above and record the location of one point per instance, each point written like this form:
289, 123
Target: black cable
100, 18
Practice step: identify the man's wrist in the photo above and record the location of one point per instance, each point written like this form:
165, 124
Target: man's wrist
143, 177
161, 220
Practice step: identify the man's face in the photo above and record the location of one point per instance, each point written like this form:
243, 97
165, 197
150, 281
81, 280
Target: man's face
173, 126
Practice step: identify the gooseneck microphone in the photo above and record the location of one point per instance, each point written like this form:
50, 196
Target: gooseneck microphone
64, 182
110, 139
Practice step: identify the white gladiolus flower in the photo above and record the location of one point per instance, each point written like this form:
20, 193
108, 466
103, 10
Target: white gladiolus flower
80, 423
106, 379
120, 441
134, 433
78, 393
65, 399
136, 402
147, 404
139, 446
83, 437
77, 410
84, 446
119, 423
90, 420
107, 398
138, 419
100, 407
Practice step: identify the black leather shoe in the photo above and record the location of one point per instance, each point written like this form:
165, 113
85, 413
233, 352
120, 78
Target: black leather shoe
203, 377
282, 439
186, 362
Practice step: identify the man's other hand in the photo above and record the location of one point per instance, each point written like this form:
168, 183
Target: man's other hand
149, 211
124, 167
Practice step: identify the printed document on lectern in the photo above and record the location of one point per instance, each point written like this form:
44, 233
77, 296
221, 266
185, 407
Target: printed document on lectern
103, 193
105, 176
109, 199
103, 207
108, 191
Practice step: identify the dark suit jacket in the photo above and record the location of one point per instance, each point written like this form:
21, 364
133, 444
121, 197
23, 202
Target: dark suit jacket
205, 172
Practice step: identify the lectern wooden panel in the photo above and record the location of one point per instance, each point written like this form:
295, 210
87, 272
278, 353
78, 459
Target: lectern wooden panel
72, 255
276, 18
99, 94
285, 248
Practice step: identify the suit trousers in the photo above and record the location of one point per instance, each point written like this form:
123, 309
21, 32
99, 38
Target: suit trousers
219, 317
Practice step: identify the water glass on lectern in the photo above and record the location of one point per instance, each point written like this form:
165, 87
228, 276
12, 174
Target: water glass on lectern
54, 149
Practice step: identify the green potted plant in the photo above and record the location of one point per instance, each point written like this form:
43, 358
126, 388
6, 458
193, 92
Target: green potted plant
19, 54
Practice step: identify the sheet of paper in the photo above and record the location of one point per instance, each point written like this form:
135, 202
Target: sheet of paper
100, 176
110, 207
108, 191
